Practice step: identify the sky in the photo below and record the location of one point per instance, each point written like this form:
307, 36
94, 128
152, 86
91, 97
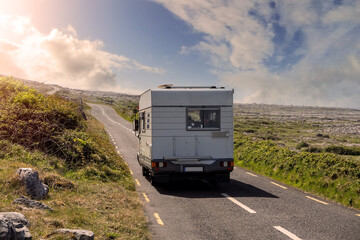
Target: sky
275, 52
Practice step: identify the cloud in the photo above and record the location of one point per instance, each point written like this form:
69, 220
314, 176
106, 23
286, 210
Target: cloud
60, 57
285, 52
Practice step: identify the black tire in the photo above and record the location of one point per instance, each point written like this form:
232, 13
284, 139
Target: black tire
145, 171
152, 181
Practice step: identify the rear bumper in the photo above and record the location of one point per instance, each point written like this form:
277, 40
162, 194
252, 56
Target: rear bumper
194, 166
188, 169
167, 177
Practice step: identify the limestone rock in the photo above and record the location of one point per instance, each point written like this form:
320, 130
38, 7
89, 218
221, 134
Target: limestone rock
15, 217
22, 200
77, 233
7, 230
13, 226
34, 187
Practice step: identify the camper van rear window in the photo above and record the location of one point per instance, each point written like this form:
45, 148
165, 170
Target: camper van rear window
203, 119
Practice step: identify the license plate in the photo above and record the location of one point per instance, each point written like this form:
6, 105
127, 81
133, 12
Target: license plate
193, 169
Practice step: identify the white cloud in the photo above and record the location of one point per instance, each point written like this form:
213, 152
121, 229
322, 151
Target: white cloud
60, 57
284, 52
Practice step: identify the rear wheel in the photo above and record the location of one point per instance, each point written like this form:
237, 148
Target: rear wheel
152, 181
145, 171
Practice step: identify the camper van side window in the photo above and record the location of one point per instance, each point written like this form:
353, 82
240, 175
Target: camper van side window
143, 121
203, 119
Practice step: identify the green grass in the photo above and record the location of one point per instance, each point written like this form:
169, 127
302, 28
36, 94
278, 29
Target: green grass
328, 175
90, 185
126, 109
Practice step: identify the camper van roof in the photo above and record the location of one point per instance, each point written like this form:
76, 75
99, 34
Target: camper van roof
186, 97
170, 86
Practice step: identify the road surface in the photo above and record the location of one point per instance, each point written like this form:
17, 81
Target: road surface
250, 207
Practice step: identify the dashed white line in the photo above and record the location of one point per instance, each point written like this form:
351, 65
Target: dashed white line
251, 174
158, 219
238, 203
287, 233
146, 198
279, 185
102, 109
325, 203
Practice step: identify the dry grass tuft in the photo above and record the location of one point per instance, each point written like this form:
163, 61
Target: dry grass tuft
57, 182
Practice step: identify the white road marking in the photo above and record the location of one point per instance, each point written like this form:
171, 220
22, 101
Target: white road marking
279, 185
238, 203
146, 197
251, 174
325, 203
158, 219
287, 233
102, 109
137, 182
131, 172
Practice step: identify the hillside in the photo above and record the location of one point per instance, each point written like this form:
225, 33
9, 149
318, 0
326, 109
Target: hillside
90, 185
316, 149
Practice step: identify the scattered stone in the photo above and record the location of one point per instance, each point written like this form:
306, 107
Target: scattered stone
34, 187
22, 200
7, 230
77, 234
13, 226
15, 217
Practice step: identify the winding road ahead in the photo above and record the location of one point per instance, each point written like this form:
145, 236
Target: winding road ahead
250, 207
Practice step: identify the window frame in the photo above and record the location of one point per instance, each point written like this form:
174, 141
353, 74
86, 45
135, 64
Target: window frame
143, 118
218, 109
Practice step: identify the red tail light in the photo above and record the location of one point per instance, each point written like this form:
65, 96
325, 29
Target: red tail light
158, 164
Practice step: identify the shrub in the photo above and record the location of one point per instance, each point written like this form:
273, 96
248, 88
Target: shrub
302, 145
313, 149
31, 119
343, 150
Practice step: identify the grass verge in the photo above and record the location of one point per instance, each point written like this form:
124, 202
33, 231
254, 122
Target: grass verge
109, 207
326, 174
90, 185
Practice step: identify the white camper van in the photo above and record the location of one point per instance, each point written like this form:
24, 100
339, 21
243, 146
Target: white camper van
186, 133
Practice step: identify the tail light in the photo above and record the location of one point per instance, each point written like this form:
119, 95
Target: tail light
158, 164
226, 164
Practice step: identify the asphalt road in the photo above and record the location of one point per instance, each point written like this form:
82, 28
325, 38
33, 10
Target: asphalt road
249, 207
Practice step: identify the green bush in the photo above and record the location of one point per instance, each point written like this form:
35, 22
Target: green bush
49, 131
127, 109
343, 150
302, 145
31, 119
313, 149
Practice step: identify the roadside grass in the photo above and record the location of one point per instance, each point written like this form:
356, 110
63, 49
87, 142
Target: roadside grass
109, 208
326, 174
90, 185
126, 109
